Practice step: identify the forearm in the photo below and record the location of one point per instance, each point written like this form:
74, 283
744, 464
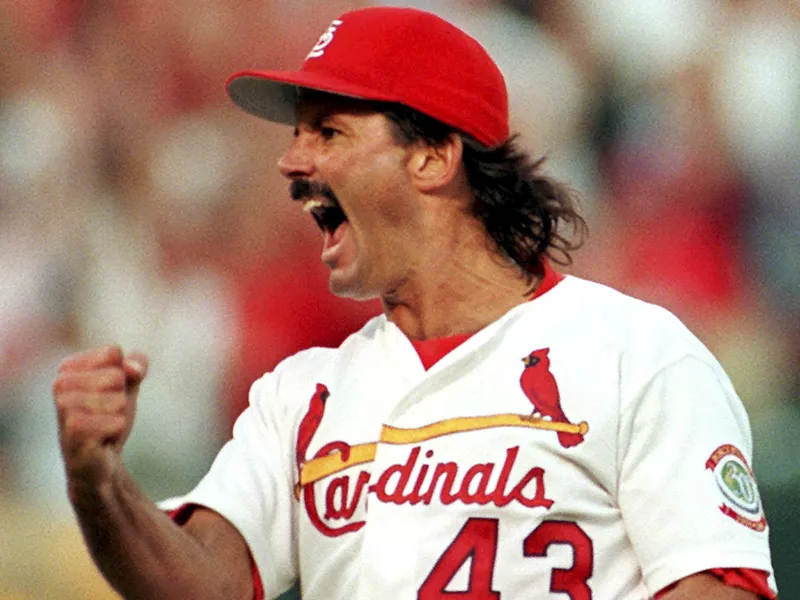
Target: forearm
706, 586
141, 552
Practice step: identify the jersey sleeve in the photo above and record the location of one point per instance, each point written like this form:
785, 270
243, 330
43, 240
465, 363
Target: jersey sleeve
250, 484
686, 491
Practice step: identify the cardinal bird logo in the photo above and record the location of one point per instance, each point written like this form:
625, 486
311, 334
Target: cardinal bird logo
310, 423
541, 388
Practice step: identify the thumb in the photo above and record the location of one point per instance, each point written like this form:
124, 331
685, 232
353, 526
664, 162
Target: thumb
135, 366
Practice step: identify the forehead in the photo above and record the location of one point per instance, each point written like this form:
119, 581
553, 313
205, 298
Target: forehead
312, 104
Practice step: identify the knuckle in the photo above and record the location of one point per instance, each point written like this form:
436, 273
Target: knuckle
72, 428
112, 379
91, 359
64, 401
113, 404
66, 364
93, 381
112, 352
105, 379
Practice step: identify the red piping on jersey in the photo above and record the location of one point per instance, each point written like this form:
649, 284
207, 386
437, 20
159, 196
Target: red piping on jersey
433, 350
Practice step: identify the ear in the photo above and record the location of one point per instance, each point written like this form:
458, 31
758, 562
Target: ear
435, 167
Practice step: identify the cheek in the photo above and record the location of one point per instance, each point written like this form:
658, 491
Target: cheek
374, 189
387, 191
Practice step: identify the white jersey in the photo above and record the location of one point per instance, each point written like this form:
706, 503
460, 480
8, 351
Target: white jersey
584, 446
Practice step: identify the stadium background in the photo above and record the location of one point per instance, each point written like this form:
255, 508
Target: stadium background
137, 205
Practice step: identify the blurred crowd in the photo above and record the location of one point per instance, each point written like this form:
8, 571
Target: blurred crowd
139, 207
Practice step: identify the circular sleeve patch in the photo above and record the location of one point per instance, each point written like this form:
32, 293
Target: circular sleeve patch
737, 484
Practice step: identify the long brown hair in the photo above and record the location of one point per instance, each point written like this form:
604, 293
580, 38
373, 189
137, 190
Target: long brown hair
523, 210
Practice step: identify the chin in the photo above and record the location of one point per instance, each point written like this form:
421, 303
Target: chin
345, 286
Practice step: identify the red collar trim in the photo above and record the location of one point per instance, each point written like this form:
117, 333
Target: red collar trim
433, 350
550, 279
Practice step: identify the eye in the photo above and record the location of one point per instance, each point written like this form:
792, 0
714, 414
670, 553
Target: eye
328, 133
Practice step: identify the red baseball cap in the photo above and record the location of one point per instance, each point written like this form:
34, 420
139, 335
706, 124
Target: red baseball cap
390, 54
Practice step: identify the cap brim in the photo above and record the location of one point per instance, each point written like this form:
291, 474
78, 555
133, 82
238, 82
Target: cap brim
272, 95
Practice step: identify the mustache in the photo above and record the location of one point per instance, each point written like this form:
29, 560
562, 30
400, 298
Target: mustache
303, 189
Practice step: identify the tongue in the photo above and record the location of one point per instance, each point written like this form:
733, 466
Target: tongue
333, 239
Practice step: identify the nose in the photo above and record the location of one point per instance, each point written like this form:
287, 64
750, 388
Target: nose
296, 161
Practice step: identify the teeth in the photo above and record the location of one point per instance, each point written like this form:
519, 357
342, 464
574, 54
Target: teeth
310, 205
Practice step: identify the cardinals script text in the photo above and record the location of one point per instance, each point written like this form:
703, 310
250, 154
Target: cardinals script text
334, 504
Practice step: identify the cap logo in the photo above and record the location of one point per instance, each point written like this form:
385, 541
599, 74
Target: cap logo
471, 97
325, 39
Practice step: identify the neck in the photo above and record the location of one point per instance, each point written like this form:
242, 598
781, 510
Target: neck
456, 281
463, 298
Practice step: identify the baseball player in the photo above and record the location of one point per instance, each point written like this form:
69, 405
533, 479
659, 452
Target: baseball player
501, 432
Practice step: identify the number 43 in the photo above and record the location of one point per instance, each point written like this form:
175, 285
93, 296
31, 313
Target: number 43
477, 543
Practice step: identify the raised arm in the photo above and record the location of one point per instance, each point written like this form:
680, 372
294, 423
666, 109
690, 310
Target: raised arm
138, 548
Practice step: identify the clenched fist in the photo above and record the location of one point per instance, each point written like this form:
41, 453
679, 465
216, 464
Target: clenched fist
95, 394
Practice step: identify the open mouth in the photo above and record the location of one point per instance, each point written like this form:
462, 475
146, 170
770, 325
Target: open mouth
327, 213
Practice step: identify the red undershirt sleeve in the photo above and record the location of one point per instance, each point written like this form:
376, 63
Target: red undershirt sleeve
751, 580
